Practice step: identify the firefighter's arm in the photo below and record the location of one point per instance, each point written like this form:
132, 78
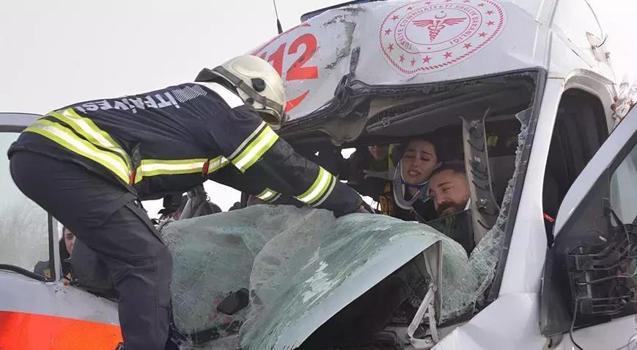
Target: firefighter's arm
254, 149
275, 166
283, 171
251, 184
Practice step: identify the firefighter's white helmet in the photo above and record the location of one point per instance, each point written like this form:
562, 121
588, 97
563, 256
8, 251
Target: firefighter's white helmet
256, 82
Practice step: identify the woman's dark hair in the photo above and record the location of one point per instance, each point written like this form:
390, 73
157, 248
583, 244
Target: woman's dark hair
400, 150
456, 166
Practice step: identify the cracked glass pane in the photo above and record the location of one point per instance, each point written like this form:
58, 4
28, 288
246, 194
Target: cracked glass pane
464, 286
291, 261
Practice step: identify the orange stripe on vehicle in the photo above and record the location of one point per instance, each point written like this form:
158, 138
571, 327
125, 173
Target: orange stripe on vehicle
25, 331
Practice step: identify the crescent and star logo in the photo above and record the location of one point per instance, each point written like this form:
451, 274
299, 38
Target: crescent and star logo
429, 36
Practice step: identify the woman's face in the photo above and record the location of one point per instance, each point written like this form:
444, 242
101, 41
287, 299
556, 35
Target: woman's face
418, 162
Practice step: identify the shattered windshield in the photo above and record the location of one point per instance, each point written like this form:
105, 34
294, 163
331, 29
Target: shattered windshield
298, 268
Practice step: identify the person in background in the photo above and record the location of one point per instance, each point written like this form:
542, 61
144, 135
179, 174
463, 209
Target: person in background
374, 158
69, 242
173, 204
65, 247
367, 170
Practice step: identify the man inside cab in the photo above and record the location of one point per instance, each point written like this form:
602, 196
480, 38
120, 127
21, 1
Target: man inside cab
449, 190
91, 163
450, 194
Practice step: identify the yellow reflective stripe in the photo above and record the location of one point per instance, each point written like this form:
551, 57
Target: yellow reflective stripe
327, 193
154, 167
268, 195
139, 176
319, 188
90, 131
255, 149
216, 164
247, 140
69, 140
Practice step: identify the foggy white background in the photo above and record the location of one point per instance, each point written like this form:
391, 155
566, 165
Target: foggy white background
55, 52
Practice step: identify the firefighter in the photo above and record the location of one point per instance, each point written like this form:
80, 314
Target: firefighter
91, 163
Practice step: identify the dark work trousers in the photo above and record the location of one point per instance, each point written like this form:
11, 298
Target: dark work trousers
107, 219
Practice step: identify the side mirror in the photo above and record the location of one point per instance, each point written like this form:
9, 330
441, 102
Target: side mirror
601, 272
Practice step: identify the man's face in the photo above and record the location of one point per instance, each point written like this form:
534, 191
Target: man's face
418, 162
449, 191
69, 240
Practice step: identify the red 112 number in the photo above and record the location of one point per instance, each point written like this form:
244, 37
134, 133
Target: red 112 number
298, 70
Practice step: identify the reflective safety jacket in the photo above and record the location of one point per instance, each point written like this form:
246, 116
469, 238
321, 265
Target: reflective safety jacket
173, 139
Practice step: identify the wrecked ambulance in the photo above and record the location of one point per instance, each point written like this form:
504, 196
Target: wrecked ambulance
524, 87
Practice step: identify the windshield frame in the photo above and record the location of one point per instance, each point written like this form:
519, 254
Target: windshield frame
308, 131
16, 122
518, 186
345, 119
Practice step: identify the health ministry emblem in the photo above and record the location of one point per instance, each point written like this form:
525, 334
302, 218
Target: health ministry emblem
429, 36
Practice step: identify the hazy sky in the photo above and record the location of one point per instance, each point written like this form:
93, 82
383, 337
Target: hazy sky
56, 52
617, 18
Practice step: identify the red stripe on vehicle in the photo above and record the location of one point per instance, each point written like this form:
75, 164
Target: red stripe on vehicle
291, 104
26, 331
